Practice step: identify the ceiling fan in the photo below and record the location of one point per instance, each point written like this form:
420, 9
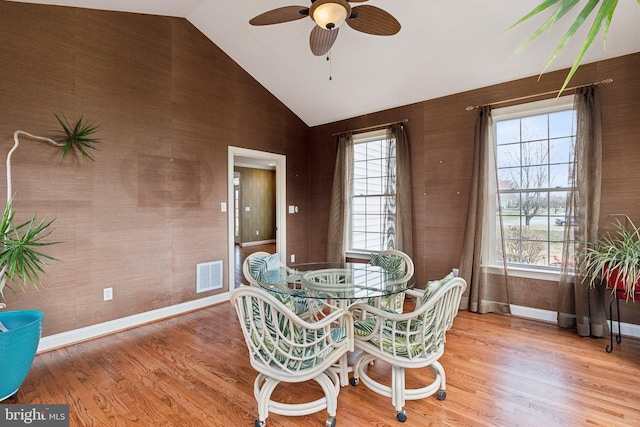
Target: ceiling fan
329, 15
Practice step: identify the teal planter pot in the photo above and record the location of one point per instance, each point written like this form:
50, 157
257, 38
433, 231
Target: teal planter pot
17, 348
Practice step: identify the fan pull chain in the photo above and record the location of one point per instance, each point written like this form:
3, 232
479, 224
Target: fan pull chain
329, 59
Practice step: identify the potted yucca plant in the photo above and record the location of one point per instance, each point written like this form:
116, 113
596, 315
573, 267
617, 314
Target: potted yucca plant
615, 260
22, 261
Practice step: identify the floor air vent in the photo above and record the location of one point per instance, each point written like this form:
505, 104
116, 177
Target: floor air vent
209, 276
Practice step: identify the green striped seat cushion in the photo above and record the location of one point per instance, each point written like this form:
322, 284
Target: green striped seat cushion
434, 285
260, 265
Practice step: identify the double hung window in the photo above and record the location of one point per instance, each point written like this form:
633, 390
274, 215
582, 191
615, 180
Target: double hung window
534, 155
373, 199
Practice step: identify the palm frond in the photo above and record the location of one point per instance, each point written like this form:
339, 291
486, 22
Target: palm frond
601, 22
21, 254
77, 137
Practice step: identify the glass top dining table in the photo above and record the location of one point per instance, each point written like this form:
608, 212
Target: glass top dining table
335, 281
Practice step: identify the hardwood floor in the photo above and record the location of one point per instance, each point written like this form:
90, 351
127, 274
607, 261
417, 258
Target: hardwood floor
193, 370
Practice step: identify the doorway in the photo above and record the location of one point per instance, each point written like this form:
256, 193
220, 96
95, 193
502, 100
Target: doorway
244, 157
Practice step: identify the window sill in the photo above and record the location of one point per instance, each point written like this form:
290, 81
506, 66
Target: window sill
527, 273
360, 256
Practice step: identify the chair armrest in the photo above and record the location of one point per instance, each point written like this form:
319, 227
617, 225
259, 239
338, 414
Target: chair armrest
340, 317
381, 316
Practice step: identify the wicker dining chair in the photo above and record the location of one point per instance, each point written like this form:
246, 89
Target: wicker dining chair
285, 348
396, 261
407, 341
259, 263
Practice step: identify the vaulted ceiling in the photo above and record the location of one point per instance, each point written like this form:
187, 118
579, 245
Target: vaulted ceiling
444, 47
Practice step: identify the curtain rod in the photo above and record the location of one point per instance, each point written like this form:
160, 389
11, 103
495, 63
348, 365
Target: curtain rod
602, 82
372, 127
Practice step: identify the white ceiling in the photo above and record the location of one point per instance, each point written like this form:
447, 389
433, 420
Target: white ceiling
444, 47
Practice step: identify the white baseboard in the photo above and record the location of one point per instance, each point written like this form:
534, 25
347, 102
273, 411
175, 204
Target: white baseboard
257, 243
627, 329
83, 334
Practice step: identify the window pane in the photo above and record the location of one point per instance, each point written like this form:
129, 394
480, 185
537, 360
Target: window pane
561, 150
559, 176
374, 205
557, 203
535, 128
535, 177
562, 124
507, 131
358, 240
359, 153
509, 178
508, 155
535, 153
359, 187
375, 185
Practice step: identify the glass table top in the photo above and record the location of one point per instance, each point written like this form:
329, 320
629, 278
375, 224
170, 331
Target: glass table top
336, 281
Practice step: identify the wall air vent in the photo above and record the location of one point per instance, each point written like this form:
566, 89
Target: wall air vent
209, 276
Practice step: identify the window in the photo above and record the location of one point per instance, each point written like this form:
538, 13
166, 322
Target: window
534, 157
373, 201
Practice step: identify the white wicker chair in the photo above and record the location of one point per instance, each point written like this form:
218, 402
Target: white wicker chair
285, 348
410, 340
394, 260
307, 308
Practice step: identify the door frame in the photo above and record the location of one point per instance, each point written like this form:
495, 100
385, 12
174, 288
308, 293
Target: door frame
281, 204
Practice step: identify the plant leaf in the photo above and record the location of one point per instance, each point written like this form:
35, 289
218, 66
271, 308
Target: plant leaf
603, 16
77, 137
21, 257
602, 20
563, 8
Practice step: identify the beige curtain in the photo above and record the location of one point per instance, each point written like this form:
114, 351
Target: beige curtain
341, 199
400, 220
487, 290
583, 204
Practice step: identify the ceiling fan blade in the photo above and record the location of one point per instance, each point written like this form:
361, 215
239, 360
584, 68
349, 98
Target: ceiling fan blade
321, 40
373, 20
282, 14
357, 1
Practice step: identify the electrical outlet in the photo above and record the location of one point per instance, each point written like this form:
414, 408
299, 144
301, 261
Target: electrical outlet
108, 294
257, 232
293, 257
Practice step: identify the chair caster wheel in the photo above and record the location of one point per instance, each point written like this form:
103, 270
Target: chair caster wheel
260, 423
354, 381
401, 416
442, 395
331, 422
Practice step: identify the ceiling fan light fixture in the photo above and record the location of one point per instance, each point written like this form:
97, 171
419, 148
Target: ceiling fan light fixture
330, 14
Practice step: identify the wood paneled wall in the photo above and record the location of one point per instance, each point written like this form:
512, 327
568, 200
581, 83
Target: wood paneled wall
441, 136
168, 103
